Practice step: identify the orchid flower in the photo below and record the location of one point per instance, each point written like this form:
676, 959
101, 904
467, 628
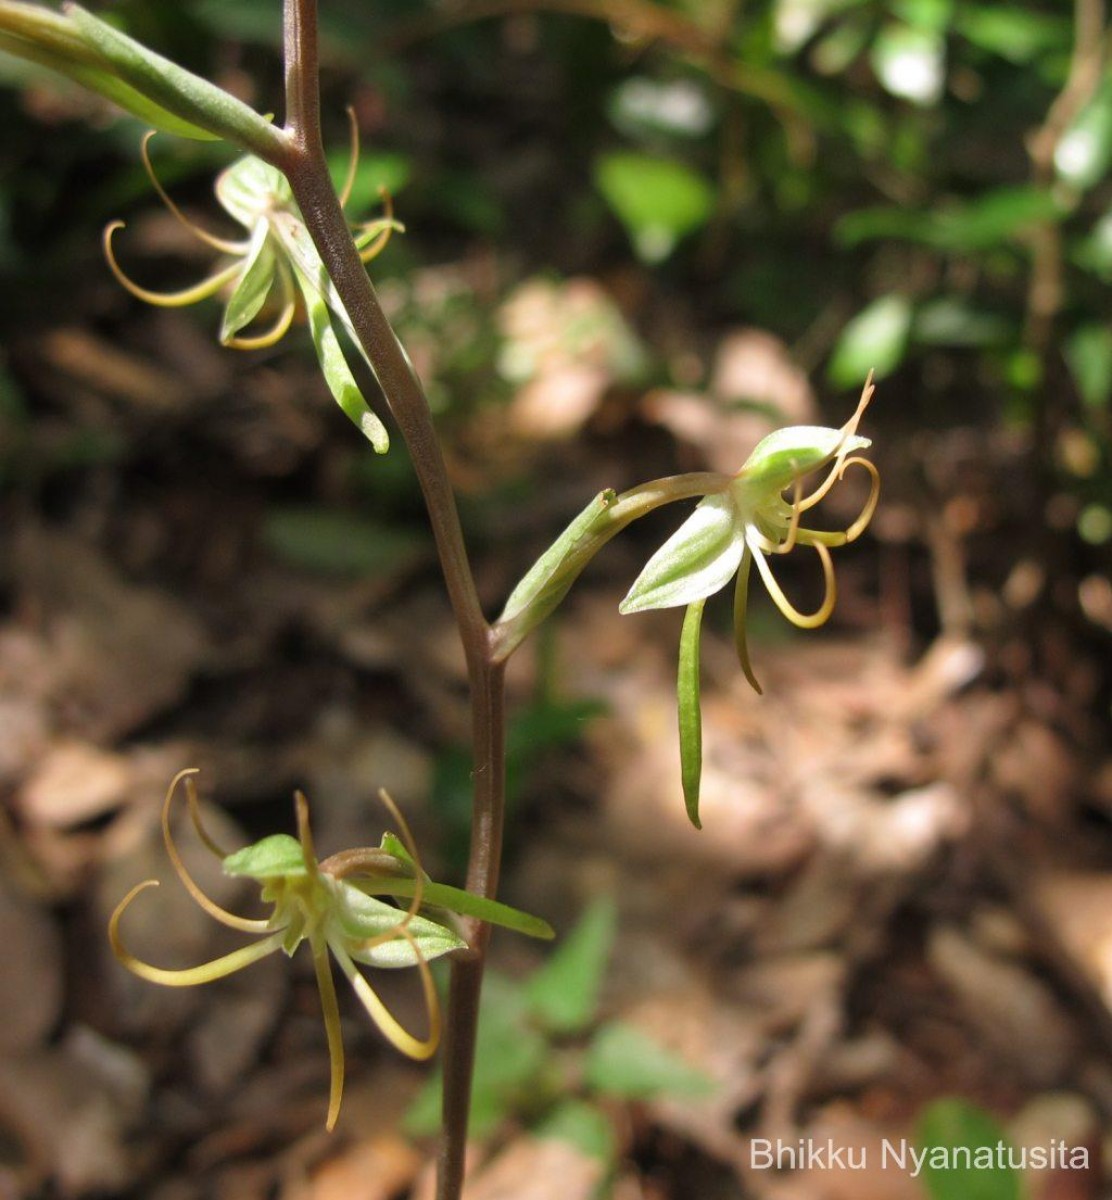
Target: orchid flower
333, 906
757, 514
273, 268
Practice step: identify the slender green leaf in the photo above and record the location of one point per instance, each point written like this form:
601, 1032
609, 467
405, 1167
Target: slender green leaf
456, 900
623, 1061
690, 712
563, 994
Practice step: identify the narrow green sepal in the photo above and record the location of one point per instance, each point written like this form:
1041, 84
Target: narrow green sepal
337, 373
695, 562
278, 854
255, 282
179, 91
690, 714
494, 912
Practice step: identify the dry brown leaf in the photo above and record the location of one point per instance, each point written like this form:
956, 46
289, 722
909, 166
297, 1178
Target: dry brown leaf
537, 1169
1078, 907
116, 654
1006, 1005
31, 979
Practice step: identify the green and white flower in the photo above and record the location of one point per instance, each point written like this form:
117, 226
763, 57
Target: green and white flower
757, 514
334, 906
274, 270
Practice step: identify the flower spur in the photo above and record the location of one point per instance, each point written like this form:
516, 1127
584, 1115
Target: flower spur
275, 268
333, 906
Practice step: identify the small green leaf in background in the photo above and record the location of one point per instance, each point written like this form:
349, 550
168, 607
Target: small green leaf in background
1094, 253
910, 63
563, 994
584, 1126
953, 321
330, 542
1084, 152
874, 340
373, 173
510, 1062
1088, 352
658, 200
623, 1061
1018, 35
952, 1123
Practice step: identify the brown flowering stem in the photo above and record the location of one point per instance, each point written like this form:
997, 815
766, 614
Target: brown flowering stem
303, 162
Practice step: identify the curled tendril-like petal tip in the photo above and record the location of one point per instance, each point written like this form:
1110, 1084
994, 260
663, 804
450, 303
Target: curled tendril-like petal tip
207, 972
217, 243
214, 910
200, 291
858, 527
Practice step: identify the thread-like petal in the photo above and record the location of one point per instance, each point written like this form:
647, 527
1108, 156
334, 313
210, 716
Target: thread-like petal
218, 968
243, 924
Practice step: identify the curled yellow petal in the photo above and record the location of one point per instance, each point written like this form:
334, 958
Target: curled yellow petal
201, 291
244, 924
224, 245
331, 1009
378, 231
195, 810
788, 544
842, 537
400, 1038
866, 515
353, 158
217, 968
803, 620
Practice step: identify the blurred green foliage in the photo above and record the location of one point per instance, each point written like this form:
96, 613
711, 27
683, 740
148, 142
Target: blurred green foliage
860, 177
545, 1057
955, 1124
